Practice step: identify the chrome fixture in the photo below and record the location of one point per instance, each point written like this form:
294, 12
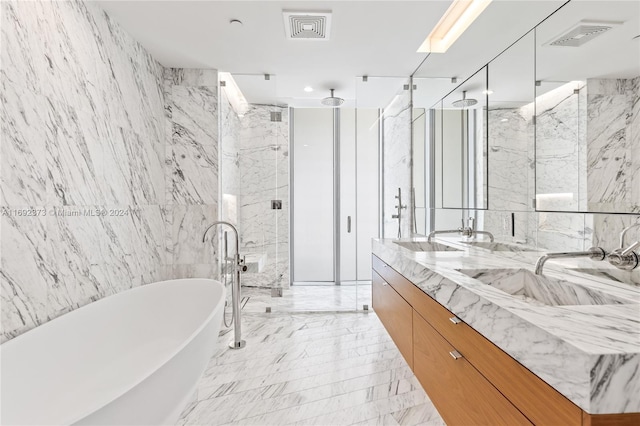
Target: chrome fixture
239, 266
332, 101
399, 208
594, 253
467, 231
625, 259
464, 102
624, 232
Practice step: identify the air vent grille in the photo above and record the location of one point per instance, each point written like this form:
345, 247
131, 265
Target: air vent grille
307, 25
581, 34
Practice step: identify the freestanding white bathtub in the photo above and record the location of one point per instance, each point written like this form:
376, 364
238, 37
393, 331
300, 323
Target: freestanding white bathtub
133, 358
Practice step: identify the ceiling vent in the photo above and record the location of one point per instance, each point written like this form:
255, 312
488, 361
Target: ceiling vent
581, 33
307, 25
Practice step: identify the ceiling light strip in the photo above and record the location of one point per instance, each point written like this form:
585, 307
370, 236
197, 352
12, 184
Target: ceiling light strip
455, 21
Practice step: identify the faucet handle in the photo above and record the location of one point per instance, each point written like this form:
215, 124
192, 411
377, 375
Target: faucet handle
625, 259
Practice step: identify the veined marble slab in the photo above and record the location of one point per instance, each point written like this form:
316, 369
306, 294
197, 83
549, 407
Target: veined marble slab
590, 353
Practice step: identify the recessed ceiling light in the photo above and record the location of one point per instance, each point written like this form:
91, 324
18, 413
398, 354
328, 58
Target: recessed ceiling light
504, 120
487, 92
308, 89
453, 23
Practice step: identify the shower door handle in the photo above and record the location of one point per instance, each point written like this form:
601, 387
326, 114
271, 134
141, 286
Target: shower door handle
348, 224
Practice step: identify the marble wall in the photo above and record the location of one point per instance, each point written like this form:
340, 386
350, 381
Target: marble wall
560, 149
255, 170
397, 164
82, 161
108, 165
587, 145
613, 144
191, 171
264, 176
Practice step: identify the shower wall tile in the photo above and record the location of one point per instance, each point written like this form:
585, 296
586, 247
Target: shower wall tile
510, 159
397, 164
558, 168
264, 176
230, 185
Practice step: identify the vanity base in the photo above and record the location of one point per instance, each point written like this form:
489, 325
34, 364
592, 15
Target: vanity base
469, 379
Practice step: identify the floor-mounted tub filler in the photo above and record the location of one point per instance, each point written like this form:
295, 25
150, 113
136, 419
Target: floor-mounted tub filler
131, 358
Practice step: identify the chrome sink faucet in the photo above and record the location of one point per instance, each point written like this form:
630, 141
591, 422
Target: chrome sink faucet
625, 258
468, 231
624, 232
594, 253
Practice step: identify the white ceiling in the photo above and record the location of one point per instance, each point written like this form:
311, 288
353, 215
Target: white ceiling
374, 38
613, 54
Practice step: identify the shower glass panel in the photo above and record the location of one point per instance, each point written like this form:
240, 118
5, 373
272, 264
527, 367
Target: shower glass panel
335, 209
313, 195
254, 175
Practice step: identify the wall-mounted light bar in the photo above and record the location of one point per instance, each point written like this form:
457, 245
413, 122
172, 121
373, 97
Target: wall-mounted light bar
453, 23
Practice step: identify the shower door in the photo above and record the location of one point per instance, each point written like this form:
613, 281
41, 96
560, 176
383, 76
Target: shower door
335, 194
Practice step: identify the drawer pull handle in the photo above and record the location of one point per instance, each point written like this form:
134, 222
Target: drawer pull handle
455, 320
455, 354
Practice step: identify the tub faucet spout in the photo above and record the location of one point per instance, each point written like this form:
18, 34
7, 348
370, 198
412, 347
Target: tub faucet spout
240, 266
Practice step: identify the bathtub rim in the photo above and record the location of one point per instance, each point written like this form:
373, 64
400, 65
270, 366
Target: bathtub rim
153, 367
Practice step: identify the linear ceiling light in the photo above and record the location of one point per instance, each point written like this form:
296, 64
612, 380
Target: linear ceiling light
453, 23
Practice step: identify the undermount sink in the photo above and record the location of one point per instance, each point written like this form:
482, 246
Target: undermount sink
540, 289
424, 246
496, 246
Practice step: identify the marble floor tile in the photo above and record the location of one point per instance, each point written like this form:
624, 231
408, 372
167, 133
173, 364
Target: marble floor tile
322, 368
310, 298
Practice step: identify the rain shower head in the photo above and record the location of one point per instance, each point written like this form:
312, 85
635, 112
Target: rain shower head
464, 102
332, 101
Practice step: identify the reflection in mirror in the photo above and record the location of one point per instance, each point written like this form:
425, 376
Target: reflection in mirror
587, 109
462, 126
511, 133
419, 156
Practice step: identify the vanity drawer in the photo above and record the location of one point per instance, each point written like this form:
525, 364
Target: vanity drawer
395, 314
460, 393
403, 286
540, 402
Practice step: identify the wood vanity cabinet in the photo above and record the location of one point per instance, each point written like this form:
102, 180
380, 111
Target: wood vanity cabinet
460, 393
469, 379
396, 315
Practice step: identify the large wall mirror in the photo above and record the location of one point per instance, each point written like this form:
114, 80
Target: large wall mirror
459, 124
587, 146
511, 133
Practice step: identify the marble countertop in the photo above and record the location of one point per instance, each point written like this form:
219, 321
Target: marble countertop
589, 353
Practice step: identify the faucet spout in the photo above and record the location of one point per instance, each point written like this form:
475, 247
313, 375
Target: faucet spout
594, 253
624, 232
